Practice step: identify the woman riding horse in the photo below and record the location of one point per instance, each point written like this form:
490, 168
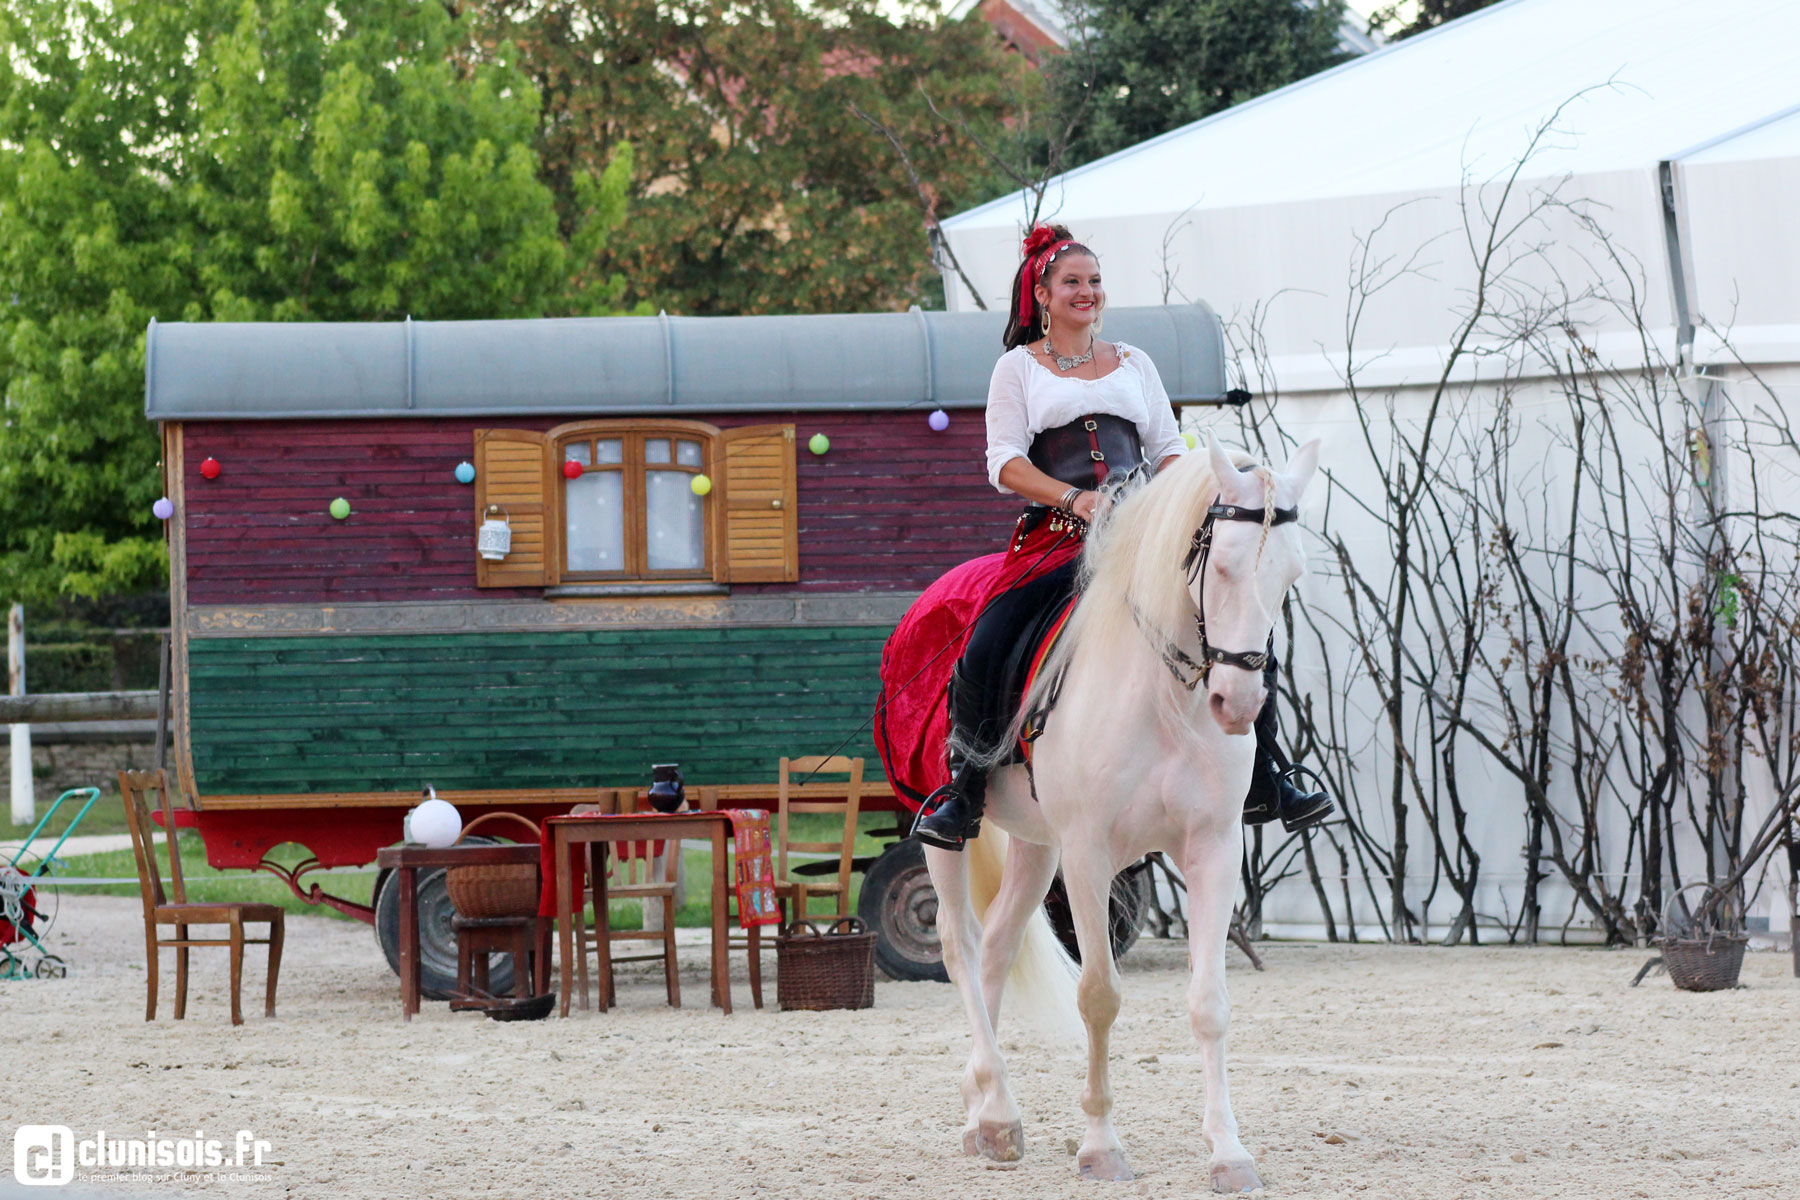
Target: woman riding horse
1066, 412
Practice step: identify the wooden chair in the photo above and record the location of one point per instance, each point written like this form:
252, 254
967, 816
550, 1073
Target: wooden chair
797, 893
160, 909
631, 877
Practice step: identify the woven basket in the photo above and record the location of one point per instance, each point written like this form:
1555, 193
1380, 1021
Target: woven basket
834, 969
500, 890
1709, 960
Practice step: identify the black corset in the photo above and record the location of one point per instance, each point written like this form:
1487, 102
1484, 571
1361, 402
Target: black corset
1088, 449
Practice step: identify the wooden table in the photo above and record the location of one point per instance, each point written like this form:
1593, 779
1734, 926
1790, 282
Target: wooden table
594, 832
406, 862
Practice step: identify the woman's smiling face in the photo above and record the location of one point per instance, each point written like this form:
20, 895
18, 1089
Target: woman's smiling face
1071, 293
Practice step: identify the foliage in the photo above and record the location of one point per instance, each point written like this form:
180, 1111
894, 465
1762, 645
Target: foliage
239, 160
756, 189
1424, 14
1139, 68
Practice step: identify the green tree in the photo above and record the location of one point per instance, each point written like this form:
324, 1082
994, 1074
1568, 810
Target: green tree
1139, 68
756, 189
239, 160
1405, 19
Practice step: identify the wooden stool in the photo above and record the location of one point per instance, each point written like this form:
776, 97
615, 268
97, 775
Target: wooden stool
526, 939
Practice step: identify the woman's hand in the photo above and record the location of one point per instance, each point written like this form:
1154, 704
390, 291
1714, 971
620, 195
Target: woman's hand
1086, 506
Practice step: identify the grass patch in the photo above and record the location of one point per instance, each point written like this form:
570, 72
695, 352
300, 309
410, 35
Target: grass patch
107, 816
206, 884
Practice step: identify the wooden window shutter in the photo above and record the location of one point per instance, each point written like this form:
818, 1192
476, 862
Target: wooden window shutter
761, 542
512, 470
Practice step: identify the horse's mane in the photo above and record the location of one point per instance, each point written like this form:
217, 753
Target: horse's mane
1130, 572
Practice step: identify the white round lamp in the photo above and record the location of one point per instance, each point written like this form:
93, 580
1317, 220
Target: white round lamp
434, 823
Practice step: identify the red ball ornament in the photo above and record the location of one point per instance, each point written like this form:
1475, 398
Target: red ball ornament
571, 469
210, 468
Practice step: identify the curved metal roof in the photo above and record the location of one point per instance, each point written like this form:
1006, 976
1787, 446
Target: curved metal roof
624, 365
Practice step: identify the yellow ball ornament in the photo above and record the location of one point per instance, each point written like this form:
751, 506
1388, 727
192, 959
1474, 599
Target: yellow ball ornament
1193, 443
700, 485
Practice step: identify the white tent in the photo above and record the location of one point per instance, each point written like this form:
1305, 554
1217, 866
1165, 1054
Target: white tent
1645, 155
1269, 198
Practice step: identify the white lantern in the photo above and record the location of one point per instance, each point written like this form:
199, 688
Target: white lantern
434, 823
495, 538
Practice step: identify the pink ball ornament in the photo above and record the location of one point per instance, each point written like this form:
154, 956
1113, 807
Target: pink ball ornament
939, 420
164, 508
571, 469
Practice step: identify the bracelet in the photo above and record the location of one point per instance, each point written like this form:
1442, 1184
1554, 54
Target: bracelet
1067, 503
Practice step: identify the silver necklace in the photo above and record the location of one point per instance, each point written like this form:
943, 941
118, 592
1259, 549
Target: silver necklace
1068, 364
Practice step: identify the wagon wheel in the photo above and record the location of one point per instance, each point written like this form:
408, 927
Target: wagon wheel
899, 904
1130, 902
437, 939
51, 967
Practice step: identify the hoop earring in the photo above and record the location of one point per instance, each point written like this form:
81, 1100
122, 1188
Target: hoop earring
1044, 321
1099, 321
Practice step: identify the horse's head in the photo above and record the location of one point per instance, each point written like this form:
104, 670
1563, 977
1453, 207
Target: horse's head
1253, 558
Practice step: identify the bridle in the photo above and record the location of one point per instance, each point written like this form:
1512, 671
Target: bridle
1194, 565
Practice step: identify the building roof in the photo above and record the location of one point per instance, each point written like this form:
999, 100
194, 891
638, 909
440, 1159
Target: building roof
624, 365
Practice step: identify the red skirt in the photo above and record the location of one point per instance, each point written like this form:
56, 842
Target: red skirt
912, 720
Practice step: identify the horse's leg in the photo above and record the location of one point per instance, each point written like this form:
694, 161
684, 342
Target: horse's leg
1029, 869
993, 1128
1211, 871
1088, 880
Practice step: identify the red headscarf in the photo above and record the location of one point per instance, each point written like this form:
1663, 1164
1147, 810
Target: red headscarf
1041, 246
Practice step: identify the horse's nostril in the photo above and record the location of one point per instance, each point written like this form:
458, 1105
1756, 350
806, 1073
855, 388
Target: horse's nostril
1218, 707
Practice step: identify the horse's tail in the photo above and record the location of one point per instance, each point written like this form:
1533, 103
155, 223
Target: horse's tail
1042, 980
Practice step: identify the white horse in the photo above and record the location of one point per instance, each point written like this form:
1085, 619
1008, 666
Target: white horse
1190, 569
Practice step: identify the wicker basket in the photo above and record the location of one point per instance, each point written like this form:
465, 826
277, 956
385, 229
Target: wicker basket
834, 969
501, 890
1709, 960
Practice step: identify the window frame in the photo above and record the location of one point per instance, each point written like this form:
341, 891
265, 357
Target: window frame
632, 433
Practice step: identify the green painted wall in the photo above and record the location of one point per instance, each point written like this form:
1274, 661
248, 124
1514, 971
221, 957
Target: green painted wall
563, 709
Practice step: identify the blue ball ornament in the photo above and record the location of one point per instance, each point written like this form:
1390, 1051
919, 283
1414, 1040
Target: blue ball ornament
939, 420
465, 472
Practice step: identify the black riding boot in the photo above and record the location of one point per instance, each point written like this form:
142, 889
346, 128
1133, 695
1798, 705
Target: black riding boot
952, 814
1272, 790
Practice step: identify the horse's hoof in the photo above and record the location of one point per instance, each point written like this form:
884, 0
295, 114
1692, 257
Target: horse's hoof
1232, 1178
1001, 1143
970, 1146
1106, 1166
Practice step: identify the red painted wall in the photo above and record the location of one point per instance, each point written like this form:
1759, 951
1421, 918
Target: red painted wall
891, 506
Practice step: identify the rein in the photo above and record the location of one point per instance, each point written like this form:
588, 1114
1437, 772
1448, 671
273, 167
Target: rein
1194, 565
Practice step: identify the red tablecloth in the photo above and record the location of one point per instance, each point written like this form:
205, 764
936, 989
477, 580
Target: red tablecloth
755, 875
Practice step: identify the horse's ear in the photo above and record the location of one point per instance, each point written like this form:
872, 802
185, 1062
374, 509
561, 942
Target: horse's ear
1222, 468
1300, 468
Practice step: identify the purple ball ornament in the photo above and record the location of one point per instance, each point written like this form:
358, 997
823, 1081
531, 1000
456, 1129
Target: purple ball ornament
939, 420
164, 508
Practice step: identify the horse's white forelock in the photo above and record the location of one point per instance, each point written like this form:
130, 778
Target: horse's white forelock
1131, 577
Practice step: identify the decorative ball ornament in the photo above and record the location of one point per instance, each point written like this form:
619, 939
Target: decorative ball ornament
1193, 443
818, 443
700, 485
465, 472
210, 469
572, 469
939, 420
340, 508
434, 823
164, 508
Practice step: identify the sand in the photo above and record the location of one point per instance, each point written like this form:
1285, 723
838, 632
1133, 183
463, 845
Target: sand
1443, 1073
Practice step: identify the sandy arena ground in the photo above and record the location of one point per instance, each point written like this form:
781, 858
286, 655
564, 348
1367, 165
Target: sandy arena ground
1444, 1073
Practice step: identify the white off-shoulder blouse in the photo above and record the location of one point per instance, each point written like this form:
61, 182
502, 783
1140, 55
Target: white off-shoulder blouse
1025, 397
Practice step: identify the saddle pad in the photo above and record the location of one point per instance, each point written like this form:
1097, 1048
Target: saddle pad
912, 719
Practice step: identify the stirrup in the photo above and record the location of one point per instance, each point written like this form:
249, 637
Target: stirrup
1314, 814
930, 808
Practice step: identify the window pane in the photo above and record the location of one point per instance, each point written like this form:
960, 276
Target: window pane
687, 453
595, 508
577, 452
656, 450
609, 451
677, 539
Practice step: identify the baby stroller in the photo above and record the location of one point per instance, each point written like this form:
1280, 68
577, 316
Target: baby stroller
28, 900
